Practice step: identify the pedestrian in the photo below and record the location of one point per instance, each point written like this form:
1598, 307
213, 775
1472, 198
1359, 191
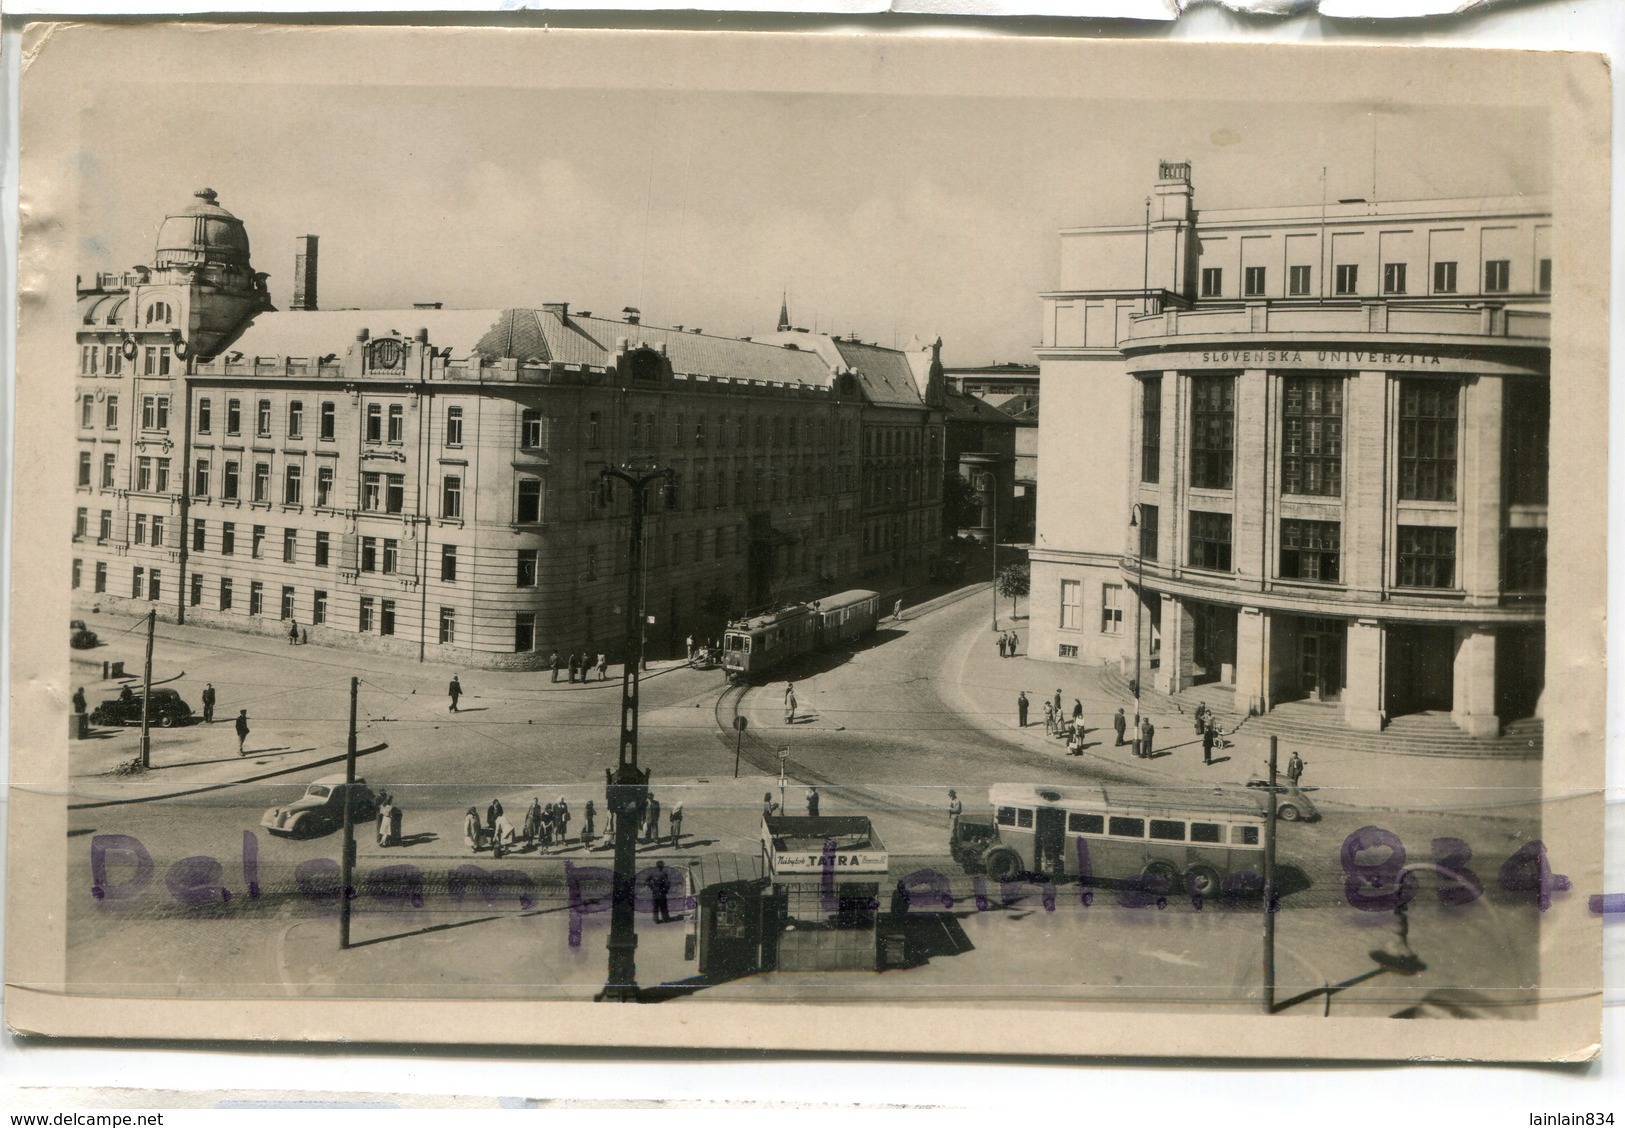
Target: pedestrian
812, 801
1148, 733
554, 662
955, 809
575, 666
492, 813
897, 611
455, 689
1021, 707
691, 648
1003, 646
125, 697
1208, 735
1015, 644
304, 636
1077, 715
1203, 716
533, 822
1057, 704
397, 818
588, 815
242, 731
549, 824
471, 831
1294, 769
502, 835
769, 808
293, 632
208, 704
561, 820
651, 828
1074, 746
1119, 724
1049, 719
659, 883
383, 822
603, 667
790, 703
676, 824
79, 704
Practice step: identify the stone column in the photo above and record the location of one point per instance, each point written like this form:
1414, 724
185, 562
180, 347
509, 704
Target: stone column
1367, 486
1478, 545
1178, 647
1252, 527
1365, 677
1253, 688
1474, 697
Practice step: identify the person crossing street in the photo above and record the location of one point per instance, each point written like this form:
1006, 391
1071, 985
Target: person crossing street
455, 690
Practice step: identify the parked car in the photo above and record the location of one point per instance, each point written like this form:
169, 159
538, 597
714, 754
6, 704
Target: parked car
320, 809
168, 709
1291, 804
80, 637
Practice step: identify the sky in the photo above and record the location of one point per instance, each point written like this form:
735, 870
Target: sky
894, 216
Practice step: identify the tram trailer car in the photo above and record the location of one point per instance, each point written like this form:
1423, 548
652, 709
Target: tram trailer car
1190, 839
754, 646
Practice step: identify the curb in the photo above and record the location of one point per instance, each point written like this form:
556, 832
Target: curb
204, 788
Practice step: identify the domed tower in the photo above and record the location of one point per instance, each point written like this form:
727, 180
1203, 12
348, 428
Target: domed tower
202, 252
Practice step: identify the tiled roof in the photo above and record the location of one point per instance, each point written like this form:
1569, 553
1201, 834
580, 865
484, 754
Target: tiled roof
972, 409
591, 340
307, 333
884, 373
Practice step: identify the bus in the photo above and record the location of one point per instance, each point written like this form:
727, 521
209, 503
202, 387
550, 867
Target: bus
1181, 838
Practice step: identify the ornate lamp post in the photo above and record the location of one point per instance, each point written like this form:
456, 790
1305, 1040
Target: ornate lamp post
1139, 604
626, 787
988, 481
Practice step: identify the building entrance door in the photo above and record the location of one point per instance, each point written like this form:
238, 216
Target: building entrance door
1213, 649
1421, 669
1320, 659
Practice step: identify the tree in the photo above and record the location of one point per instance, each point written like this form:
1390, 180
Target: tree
960, 505
1014, 582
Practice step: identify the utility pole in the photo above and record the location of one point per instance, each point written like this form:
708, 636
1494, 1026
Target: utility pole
739, 740
990, 482
626, 785
146, 695
1269, 891
347, 867
1139, 605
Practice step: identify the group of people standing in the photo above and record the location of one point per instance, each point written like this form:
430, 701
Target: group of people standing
1008, 643
580, 665
542, 827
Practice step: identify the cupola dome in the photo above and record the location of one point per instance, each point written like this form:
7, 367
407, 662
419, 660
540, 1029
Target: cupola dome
203, 234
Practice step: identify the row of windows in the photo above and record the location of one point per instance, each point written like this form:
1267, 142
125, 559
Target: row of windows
1312, 436
108, 360
646, 430
1130, 826
1395, 279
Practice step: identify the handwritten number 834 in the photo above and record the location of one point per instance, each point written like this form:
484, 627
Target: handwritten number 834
1383, 885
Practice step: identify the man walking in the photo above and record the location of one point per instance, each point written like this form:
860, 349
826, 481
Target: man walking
676, 824
651, 831
1209, 732
1021, 708
659, 883
455, 689
575, 666
555, 662
561, 820
589, 815
1077, 716
242, 731
1003, 645
1057, 704
79, 703
208, 704
812, 802
293, 632
1148, 732
1294, 769
790, 703
603, 667
1119, 725
955, 809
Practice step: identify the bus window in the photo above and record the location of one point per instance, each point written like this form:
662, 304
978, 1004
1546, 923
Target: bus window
1206, 832
1024, 817
1168, 830
1007, 816
1086, 824
1244, 836
1127, 828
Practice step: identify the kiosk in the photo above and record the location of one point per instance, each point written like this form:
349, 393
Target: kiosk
824, 875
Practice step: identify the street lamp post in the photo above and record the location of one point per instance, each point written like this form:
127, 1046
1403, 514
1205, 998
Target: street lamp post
1139, 604
989, 482
626, 787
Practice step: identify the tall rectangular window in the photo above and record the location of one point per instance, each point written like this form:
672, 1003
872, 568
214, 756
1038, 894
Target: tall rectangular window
296, 419
1347, 279
228, 538
78, 571
1427, 439
524, 631
1213, 431
225, 593
1151, 429
324, 486
318, 608
1111, 609
143, 474
234, 417
1210, 541
256, 597
1148, 532
158, 530
323, 547
1497, 276
386, 617
290, 545
1543, 278
1526, 426
197, 590
262, 425
1393, 278
105, 531
256, 544
530, 429
200, 534
155, 588
200, 478
205, 416
1310, 550
526, 576
375, 422
149, 413
451, 496
87, 411
369, 554
394, 493
392, 556
140, 528
364, 620
1312, 435
448, 563
594, 431
286, 609
454, 426
1523, 567
372, 487
1297, 281
112, 409
86, 464
161, 482
109, 470
1252, 282
397, 422
529, 509
293, 484
228, 481
262, 481
1427, 556
448, 624
81, 522
1212, 281
101, 576
329, 419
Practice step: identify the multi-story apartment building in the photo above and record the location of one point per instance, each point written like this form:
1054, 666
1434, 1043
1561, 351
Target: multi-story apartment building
428, 481
1307, 450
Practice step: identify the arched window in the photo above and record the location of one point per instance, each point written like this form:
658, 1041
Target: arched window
160, 313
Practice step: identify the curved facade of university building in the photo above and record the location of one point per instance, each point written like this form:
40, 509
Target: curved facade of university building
1312, 462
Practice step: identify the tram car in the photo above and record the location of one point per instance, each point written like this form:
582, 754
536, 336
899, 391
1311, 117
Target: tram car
753, 646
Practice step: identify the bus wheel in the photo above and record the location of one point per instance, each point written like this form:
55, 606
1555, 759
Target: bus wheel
1163, 874
1202, 881
1002, 863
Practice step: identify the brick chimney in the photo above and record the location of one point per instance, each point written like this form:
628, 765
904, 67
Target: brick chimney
304, 273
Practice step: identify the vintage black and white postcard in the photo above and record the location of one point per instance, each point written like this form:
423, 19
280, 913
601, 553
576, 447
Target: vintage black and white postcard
1007, 545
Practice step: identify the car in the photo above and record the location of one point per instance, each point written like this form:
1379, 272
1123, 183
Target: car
168, 709
320, 810
80, 637
1291, 804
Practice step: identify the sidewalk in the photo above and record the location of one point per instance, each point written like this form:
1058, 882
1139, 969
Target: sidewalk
983, 687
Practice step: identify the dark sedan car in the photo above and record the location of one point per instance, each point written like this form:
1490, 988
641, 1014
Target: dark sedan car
167, 710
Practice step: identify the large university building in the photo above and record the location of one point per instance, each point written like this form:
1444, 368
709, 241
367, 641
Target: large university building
1301, 452
427, 481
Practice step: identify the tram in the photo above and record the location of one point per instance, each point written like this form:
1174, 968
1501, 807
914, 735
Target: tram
754, 646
